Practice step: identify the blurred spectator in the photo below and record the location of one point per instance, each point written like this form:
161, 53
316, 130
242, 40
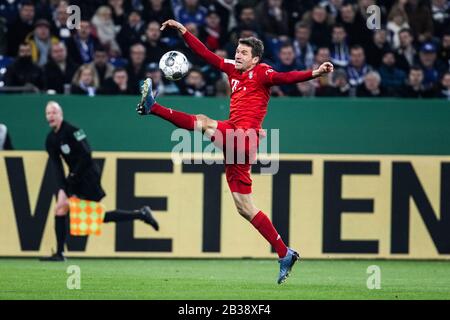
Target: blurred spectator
340, 86
210, 34
160, 87
406, 53
286, 62
273, 18
102, 67
157, 10
305, 89
397, 20
226, 9
23, 71
5, 139
136, 67
332, 6
371, 87
304, 51
194, 85
322, 55
152, 71
431, 66
105, 30
339, 48
247, 19
87, 8
20, 28
152, 42
444, 55
59, 22
41, 41
59, 70
189, 11
85, 81
136, 5
444, 89
354, 24
213, 75
82, 45
117, 84
3, 36
131, 32
419, 18
414, 87
9, 10
392, 77
440, 10
320, 26
45, 9
379, 45
357, 67
117, 12
296, 9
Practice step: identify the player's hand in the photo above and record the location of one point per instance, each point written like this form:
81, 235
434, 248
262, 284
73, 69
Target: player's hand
173, 24
325, 67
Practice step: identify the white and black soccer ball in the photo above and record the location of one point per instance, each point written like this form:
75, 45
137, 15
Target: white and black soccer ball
174, 65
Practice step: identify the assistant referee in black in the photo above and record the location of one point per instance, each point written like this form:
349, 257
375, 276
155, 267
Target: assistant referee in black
83, 181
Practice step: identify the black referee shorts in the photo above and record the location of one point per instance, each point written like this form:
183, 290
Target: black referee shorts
88, 187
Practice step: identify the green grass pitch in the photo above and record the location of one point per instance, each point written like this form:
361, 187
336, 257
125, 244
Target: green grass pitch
180, 279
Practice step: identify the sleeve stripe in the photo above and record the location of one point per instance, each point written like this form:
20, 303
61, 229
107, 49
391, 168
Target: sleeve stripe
229, 61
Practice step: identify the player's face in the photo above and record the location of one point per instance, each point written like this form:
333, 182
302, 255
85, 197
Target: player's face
244, 59
54, 116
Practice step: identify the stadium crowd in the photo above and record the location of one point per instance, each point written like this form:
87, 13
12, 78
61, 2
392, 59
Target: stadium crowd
119, 42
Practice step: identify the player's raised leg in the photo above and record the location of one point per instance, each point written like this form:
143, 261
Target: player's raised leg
247, 209
148, 105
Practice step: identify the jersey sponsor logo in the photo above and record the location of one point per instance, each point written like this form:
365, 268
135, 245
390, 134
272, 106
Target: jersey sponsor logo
65, 148
234, 84
268, 71
79, 135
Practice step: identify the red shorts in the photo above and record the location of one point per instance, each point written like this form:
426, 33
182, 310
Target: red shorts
239, 148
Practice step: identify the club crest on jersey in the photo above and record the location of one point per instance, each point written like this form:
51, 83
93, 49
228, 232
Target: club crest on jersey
250, 75
65, 148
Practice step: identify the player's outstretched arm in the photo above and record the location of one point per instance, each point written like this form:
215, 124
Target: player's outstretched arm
280, 78
195, 44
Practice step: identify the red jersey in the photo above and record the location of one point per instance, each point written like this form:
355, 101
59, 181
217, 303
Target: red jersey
250, 94
250, 90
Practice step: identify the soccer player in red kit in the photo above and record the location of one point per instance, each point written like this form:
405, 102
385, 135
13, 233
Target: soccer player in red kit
250, 82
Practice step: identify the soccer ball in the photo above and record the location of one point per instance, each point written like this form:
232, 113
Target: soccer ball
174, 65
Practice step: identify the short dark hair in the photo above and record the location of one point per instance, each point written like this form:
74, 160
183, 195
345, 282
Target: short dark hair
26, 3
356, 47
119, 69
256, 45
405, 30
416, 68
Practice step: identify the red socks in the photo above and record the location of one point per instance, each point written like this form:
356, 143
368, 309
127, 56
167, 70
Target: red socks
262, 223
180, 119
